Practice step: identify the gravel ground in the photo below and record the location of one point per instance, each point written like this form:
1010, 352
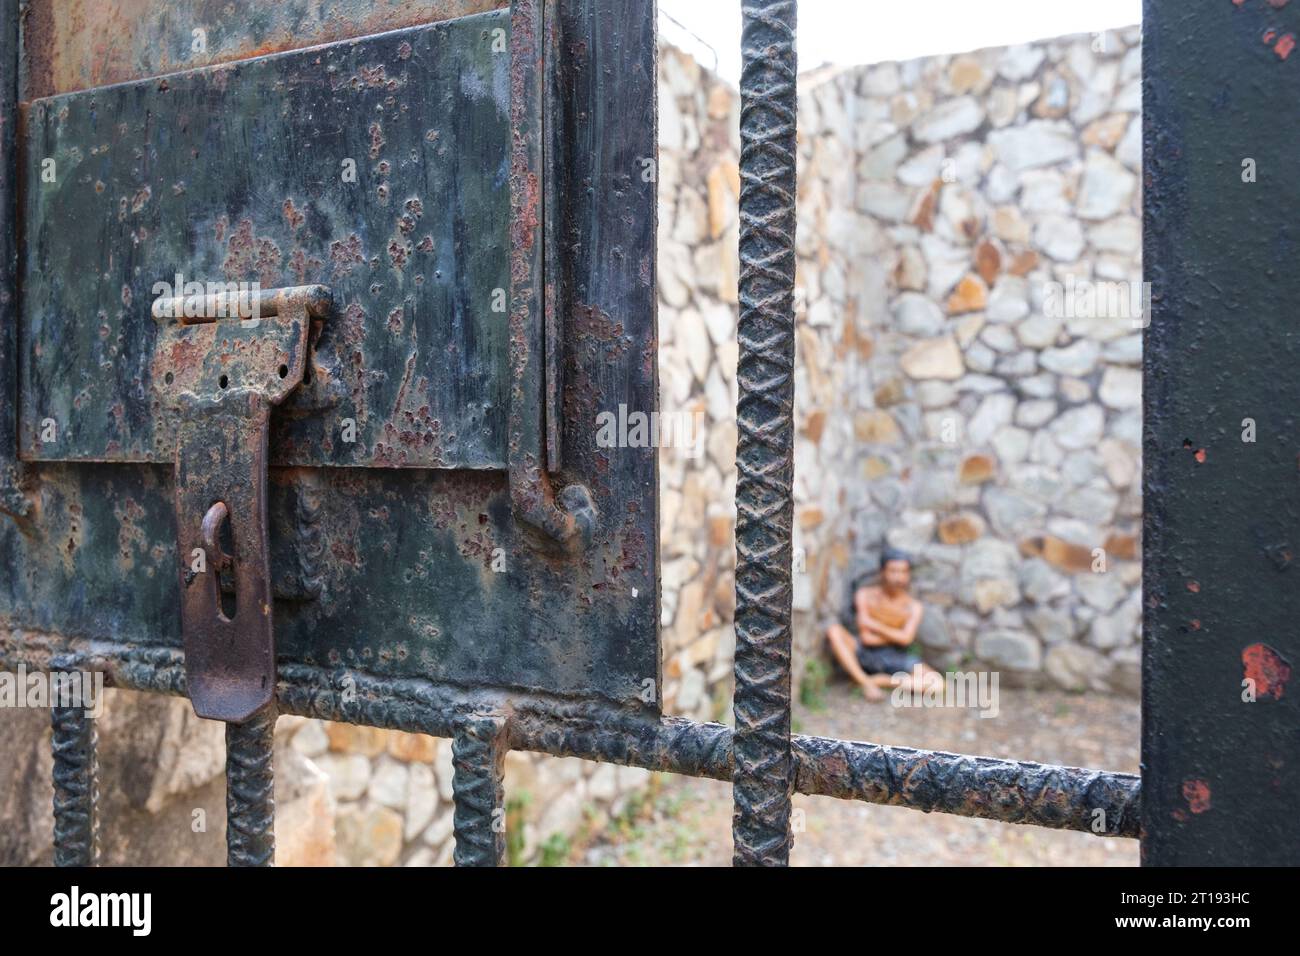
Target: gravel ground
686, 821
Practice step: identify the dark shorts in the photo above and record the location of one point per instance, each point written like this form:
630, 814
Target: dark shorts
885, 660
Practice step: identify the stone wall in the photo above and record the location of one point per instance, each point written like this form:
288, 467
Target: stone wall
699, 182
998, 419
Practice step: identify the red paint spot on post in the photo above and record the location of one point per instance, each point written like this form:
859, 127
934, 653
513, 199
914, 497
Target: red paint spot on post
1194, 587
1285, 46
1200, 456
1197, 795
1264, 667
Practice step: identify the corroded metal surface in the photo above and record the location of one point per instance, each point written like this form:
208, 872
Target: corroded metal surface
250, 790
77, 44
76, 793
765, 450
13, 502
478, 767
1098, 802
407, 573
1221, 446
568, 518
1011, 791
376, 167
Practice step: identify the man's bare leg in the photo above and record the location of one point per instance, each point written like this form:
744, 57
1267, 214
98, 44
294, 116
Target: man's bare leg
928, 676
845, 651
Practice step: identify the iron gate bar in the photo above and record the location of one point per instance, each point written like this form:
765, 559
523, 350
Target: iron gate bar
12, 500
478, 762
250, 790
76, 789
1008, 791
764, 770
1221, 520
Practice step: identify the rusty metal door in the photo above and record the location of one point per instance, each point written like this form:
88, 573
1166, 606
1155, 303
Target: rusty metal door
308, 311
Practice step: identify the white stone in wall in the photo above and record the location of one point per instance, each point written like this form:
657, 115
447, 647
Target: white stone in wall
1129, 99
1039, 332
883, 161
1037, 143
921, 169
946, 264
1011, 444
421, 799
1075, 667
1128, 427
1079, 427
1074, 390
1121, 387
1103, 591
1078, 358
349, 774
1108, 188
1020, 62
1098, 92
1060, 237
388, 784
1094, 503
933, 358
949, 119
999, 338
1121, 234
918, 315
994, 411
1119, 460
1013, 515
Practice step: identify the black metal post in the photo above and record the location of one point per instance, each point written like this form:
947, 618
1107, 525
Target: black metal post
764, 769
250, 790
12, 501
478, 756
1221, 449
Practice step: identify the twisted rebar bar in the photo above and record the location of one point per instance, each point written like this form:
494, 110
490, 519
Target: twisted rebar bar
250, 790
764, 769
76, 790
477, 759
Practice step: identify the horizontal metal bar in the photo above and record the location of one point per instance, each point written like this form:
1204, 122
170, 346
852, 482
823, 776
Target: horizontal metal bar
242, 303
1066, 798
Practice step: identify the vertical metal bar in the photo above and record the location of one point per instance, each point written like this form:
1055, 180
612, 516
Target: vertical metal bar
478, 753
76, 789
1221, 438
250, 790
764, 769
552, 157
12, 501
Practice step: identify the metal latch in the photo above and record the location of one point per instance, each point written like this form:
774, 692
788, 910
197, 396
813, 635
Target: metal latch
222, 362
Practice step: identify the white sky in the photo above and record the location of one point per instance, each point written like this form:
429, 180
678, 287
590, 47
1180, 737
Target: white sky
851, 32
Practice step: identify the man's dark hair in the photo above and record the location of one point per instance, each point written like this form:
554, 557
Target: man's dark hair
893, 554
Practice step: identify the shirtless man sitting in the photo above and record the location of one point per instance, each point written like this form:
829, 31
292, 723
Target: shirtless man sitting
886, 620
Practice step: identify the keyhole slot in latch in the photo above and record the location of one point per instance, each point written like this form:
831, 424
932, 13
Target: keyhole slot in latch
219, 545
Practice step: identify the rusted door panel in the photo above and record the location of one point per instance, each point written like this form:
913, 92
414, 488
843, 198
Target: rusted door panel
376, 166
79, 44
412, 573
